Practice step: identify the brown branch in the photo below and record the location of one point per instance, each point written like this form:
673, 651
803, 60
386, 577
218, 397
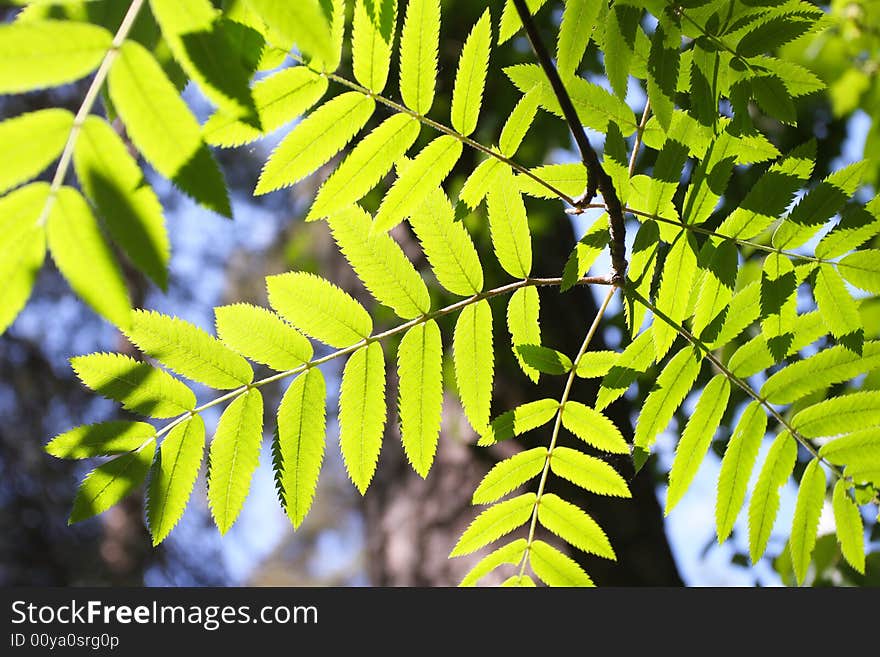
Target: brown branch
597, 177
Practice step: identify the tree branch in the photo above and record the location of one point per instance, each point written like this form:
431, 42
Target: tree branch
597, 177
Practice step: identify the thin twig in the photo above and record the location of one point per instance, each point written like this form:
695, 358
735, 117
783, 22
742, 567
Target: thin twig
597, 177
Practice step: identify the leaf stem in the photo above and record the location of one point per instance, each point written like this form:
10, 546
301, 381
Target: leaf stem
400, 328
86, 106
558, 423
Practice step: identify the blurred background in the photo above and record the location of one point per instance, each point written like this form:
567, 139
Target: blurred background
402, 531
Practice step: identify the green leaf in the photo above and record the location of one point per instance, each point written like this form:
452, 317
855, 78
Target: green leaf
593, 428
771, 96
429, 168
679, 272
523, 310
823, 369
736, 467
857, 226
243, 30
510, 23
770, 195
820, 204
709, 180
110, 482
234, 455
163, 128
420, 370
544, 359
85, 259
373, 41
447, 245
594, 364
367, 164
640, 274
101, 439
569, 178
764, 504
555, 568
518, 123
573, 525
595, 106
114, 182
509, 226
262, 336
778, 303
850, 530
509, 474
277, 98
362, 413
302, 23
839, 415
716, 290
31, 142
380, 263
188, 350
588, 472
199, 44
22, 247
663, 68
478, 182
315, 140
585, 253
862, 269
301, 437
173, 475
474, 362
418, 54
139, 387
47, 53
621, 26
495, 522
696, 438
670, 389
854, 449
811, 497
578, 22
767, 35
319, 309
755, 355
521, 581
512, 553
635, 360
744, 308
470, 78
518, 421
